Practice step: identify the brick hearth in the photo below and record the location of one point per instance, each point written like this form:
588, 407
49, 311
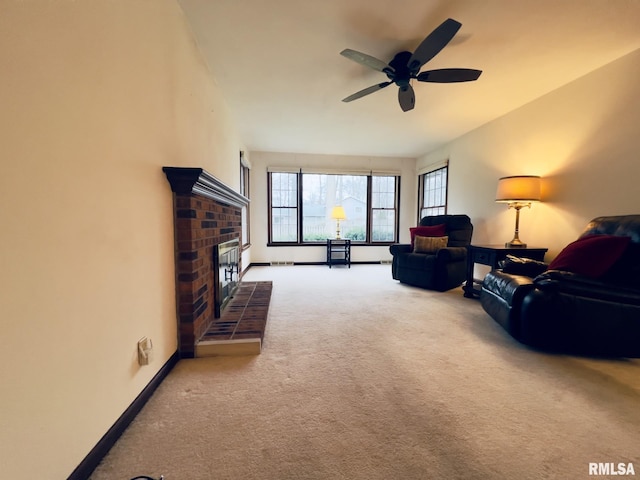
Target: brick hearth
240, 329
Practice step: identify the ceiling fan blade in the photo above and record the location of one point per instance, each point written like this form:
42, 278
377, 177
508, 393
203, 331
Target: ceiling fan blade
449, 75
406, 98
366, 60
366, 91
433, 43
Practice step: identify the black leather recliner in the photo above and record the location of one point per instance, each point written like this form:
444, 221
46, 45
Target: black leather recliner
442, 270
567, 312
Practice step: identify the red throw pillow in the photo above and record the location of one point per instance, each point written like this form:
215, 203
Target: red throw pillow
430, 231
591, 255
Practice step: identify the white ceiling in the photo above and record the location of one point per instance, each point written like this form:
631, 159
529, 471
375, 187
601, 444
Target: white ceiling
278, 65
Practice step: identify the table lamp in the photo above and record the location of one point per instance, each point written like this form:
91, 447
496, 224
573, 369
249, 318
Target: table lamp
517, 192
338, 214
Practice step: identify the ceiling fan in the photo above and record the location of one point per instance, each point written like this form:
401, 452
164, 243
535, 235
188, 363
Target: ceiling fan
406, 66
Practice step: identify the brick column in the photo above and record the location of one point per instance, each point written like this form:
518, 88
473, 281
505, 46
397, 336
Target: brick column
202, 221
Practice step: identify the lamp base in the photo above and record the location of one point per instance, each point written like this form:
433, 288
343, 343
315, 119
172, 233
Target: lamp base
515, 242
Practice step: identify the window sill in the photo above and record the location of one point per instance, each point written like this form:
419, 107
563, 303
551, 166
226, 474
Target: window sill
354, 243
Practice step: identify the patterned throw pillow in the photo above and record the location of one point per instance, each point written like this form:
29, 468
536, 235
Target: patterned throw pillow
427, 231
429, 244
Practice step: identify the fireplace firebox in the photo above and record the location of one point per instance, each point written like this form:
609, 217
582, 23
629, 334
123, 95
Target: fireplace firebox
226, 271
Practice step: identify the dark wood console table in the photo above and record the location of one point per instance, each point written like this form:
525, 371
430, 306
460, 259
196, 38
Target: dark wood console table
338, 252
491, 255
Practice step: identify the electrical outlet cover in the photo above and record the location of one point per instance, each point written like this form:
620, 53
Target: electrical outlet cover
145, 348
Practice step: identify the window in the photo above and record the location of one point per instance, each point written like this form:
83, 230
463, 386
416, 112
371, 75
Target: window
300, 206
383, 209
283, 195
433, 192
244, 190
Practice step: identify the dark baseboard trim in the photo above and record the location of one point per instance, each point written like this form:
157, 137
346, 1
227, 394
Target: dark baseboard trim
95, 456
267, 264
371, 262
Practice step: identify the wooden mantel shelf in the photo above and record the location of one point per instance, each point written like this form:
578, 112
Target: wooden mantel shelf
197, 180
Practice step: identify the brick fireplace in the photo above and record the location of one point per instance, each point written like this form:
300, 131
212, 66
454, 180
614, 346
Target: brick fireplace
206, 213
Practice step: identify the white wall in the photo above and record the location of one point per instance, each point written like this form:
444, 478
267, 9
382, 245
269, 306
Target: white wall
260, 161
96, 97
582, 139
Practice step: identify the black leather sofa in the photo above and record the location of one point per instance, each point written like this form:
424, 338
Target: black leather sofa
569, 312
442, 270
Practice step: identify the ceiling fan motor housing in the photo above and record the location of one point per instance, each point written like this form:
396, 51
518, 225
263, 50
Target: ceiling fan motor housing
401, 74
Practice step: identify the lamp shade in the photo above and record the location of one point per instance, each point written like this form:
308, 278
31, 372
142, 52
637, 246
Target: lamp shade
523, 188
338, 213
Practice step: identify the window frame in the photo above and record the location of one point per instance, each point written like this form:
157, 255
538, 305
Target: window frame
371, 209
270, 208
422, 192
245, 190
369, 220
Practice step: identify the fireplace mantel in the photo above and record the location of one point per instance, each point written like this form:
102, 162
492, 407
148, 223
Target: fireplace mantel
197, 180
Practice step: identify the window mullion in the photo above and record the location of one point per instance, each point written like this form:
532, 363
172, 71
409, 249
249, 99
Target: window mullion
369, 222
300, 212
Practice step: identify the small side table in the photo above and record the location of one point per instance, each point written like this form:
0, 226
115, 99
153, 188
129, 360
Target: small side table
338, 252
491, 255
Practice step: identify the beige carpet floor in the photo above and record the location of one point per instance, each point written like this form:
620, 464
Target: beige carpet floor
364, 378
